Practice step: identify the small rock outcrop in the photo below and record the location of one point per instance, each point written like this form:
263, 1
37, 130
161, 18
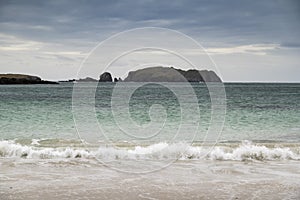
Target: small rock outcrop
105, 77
22, 79
117, 80
67, 81
170, 74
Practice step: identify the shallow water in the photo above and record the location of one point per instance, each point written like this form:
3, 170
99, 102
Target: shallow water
44, 153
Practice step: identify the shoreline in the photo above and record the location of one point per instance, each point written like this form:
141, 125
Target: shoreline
192, 180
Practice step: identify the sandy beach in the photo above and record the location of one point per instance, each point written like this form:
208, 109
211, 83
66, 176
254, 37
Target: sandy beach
182, 180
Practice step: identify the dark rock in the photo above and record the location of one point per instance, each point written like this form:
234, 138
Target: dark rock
68, 81
105, 77
48, 82
22, 79
191, 75
170, 74
117, 80
155, 74
210, 76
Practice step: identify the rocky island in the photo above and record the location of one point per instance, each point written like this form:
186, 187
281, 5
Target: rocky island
170, 74
22, 79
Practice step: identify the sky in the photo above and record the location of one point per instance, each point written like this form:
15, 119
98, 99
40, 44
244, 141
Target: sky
248, 41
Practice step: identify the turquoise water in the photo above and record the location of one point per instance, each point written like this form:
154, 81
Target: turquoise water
257, 154
256, 112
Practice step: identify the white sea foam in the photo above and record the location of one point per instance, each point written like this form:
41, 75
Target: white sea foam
35, 142
159, 151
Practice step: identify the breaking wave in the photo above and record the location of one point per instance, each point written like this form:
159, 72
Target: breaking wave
160, 151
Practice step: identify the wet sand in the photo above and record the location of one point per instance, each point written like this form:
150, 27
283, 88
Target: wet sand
73, 179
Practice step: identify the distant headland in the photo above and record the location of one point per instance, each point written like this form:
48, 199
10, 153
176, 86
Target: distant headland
151, 74
22, 79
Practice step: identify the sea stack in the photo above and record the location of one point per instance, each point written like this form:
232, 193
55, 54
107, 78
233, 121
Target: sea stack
105, 77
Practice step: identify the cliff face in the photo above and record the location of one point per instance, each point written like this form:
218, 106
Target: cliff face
170, 74
209, 76
22, 79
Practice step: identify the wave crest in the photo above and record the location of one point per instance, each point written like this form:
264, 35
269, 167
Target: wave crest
159, 151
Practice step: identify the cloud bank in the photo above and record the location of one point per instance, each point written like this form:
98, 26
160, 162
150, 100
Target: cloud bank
51, 38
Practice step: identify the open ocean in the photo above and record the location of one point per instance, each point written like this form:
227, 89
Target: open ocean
45, 153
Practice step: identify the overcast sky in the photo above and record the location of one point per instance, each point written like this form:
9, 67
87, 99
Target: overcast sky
252, 40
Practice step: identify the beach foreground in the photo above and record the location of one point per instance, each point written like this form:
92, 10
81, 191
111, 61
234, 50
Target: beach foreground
61, 179
255, 156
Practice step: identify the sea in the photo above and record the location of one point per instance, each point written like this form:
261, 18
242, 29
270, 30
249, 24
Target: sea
150, 141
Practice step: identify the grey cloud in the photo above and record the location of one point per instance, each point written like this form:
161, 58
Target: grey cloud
232, 21
290, 44
221, 25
